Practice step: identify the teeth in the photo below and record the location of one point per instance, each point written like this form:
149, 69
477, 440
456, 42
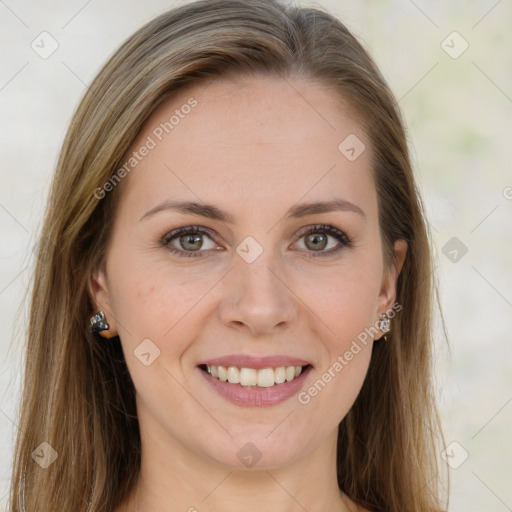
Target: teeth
223, 373
266, 377
233, 375
250, 377
280, 374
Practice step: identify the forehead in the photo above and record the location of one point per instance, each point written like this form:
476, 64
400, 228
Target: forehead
261, 140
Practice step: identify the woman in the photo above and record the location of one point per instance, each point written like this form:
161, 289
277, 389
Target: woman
232, 300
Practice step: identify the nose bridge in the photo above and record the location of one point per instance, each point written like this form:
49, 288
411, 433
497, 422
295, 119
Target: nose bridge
259, 299
257, 268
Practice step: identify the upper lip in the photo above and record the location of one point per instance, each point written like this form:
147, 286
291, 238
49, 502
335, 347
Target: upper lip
247, 361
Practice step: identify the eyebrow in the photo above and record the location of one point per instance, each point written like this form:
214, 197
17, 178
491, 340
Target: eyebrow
213, 212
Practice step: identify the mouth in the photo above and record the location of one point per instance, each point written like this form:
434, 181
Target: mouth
250, 380
253, 377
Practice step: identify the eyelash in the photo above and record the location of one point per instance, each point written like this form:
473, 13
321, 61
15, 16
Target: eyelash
344, 240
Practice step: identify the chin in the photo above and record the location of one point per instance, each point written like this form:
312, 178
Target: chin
251, 451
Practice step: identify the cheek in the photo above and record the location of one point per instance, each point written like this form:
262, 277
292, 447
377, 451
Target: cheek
337, 383
350, 311
343, 369
156, 301
140, 294
354, 307
345, 302
153, 308
344, 298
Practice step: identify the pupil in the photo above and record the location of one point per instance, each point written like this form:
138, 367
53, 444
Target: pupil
318, 241
190, 239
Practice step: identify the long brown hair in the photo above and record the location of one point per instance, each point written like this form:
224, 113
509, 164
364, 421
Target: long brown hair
78, 395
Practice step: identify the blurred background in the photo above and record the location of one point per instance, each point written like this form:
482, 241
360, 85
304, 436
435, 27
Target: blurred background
450, 67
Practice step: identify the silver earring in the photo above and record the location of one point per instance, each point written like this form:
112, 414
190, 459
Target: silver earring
98, 323
385, 322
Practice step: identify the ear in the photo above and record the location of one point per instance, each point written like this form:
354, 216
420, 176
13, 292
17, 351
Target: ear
387, 294
100, 297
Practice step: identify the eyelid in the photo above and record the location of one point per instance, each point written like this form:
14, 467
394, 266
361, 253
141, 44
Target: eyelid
173, 233
326, 228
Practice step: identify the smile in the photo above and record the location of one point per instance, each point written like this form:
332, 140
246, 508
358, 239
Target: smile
263, 387
252, 377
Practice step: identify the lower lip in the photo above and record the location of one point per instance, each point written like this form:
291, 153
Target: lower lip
257, 397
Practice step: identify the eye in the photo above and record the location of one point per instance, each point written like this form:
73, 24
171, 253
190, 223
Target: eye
316, 239
188, 240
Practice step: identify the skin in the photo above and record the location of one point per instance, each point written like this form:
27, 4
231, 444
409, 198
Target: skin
254, 147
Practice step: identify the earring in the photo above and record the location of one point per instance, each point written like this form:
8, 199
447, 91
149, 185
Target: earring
98, 323
385, 322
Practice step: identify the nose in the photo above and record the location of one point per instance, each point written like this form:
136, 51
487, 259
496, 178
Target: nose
257, 297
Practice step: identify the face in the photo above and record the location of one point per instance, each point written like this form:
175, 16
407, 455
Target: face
254, 275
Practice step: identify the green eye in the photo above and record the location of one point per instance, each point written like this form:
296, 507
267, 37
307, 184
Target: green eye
189, 240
